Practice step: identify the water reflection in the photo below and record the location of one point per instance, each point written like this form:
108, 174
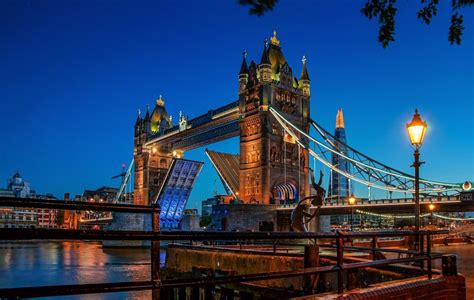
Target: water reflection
70, 262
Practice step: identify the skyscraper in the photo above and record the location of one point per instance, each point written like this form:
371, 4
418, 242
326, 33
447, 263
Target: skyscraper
339, 188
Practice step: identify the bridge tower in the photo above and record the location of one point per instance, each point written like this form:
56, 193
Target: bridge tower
273, 169
151, 162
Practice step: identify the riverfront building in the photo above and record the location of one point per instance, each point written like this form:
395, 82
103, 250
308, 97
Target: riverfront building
12, 217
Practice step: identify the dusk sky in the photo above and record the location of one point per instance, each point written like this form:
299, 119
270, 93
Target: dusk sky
74, 73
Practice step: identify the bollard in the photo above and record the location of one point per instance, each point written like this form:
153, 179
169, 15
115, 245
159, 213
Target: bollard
155, 254
311, 260
374, 245
449, 265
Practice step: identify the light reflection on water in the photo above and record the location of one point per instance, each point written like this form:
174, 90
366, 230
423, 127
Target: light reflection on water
35, 263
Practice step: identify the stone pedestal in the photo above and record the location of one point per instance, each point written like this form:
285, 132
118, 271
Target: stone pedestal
128, 222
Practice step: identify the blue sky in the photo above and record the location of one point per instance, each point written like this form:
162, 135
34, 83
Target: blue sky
74, 73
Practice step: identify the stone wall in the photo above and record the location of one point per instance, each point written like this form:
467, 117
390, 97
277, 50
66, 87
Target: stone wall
244, 217
186, 259
128, 222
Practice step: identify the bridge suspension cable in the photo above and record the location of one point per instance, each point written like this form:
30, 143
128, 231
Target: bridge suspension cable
369, 172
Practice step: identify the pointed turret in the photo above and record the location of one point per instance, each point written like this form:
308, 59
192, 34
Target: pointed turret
244, 73
243, 68
146, 120
304, 82
147, 115
304, 71
265, 67
265, 60
339, 119
138, 124
139, 117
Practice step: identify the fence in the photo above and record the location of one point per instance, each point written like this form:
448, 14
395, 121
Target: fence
155, 236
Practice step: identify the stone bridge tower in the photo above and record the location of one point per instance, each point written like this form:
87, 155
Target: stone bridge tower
151, 163
273, 169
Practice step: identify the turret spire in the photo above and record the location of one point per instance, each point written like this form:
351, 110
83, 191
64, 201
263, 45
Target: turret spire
160, 101
339, 119
147, 115
304, 71
274, 39
265, 60
243, 67
139, 117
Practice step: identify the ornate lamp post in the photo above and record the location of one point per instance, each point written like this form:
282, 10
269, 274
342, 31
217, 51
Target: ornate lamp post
352, 201
416, 131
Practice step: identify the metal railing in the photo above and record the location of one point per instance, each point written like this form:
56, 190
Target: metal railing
156, 284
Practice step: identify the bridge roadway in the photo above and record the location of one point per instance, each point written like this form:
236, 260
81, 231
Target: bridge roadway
393, 206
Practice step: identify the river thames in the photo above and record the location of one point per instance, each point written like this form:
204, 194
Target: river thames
70, 262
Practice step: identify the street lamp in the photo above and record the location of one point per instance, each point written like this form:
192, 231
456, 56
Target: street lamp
416, 131
352, 201
432, 208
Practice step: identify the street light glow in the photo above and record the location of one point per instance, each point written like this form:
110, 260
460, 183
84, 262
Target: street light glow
416, 129
352, 200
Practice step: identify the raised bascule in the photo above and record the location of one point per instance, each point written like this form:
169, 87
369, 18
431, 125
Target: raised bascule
272, 119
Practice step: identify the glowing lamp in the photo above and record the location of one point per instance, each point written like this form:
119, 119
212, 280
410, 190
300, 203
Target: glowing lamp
416, 129
352, 200
178, 154
432, 207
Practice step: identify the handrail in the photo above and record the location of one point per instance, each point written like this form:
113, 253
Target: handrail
155, 236
53, 233
75, 205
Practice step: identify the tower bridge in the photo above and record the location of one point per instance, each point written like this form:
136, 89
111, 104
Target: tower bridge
277, 140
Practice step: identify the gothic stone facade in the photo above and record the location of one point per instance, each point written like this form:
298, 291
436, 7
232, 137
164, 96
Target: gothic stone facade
273, 168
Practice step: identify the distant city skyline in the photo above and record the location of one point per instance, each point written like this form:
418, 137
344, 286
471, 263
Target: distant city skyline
74, 75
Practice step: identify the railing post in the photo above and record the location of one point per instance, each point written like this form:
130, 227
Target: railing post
428, 251
340, 260
374, 245
449, 265
422, 249
155, 254
311, 260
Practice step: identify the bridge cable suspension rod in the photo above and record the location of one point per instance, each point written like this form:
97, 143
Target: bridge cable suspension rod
324, 133
329, 165
337, 152
277, 114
